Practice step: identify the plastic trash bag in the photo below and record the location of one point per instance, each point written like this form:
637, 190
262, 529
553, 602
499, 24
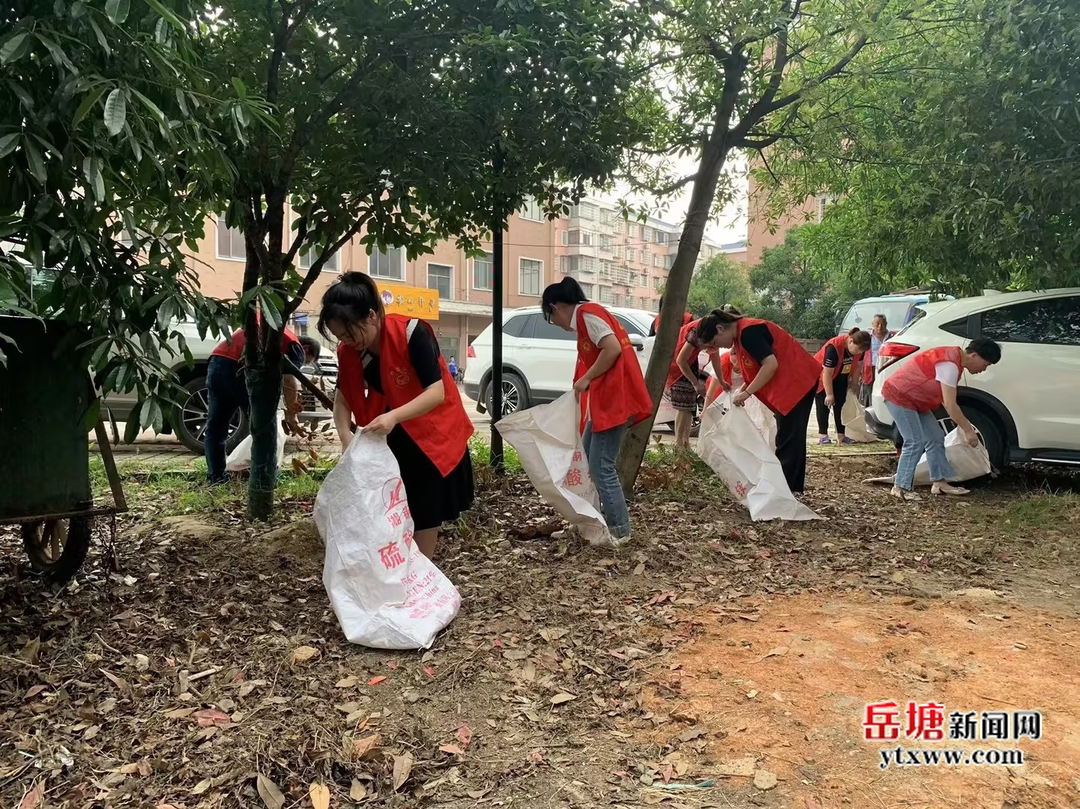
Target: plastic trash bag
385, 593
853, 417
239, 459
548, 445
968, 463
732, 446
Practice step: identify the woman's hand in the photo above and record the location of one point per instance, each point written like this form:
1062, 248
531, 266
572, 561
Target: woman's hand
381, 424
830, 399
740, 397
581, 385
699, 386
971, 436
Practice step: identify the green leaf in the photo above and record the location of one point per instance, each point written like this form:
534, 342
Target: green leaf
117, 10
14, 49
8, 143
35, 162
115, 111
92, 172
89, 100
166, 14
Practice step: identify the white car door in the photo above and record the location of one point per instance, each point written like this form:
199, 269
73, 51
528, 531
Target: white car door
549, 355
1038, 377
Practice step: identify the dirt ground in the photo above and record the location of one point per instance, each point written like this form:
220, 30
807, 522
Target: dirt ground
714, 662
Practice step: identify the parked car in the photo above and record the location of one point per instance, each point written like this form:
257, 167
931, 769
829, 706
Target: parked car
538, 358
1025, 406
899, 310
188, 420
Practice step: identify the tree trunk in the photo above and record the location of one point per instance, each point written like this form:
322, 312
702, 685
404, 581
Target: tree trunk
264, 391
713, 156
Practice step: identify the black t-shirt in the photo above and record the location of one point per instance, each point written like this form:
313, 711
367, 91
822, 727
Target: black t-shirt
832, 359
423, 355
757, 341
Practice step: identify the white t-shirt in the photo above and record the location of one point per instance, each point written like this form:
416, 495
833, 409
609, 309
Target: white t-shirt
947, 373
596, 327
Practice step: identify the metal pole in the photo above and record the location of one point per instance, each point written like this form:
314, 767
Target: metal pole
496, 341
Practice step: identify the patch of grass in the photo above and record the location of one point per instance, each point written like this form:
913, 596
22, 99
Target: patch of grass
1040, 512
481, 454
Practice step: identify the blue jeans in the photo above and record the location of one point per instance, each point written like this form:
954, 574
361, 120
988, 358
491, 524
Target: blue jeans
601, 450
921, 431
226, 393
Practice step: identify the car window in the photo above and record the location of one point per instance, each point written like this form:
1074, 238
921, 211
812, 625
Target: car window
515, 325
540, 329
862, 313
918, 314
631, 326
1055, 321
958, 327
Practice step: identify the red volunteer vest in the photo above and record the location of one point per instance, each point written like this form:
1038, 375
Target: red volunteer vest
618, 396
915, 385
443, 434
675, 372
840, 344
233, 348
713, 389
796, 370
686, 318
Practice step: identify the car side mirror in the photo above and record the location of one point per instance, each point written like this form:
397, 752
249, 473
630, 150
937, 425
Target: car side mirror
637, 341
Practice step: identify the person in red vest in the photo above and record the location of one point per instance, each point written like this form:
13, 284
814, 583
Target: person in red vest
777, 370
914, 392
686, 381
226, 392
686, 318
840, 358
879, 333
722, 382
393, 381
610, 387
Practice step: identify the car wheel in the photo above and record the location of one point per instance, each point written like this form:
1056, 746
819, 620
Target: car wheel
992, 435
189, 419
515, 395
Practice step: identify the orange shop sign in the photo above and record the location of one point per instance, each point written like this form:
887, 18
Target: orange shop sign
400, 299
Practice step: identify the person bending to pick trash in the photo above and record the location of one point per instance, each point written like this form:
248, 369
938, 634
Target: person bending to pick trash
393, 381
226, 392
685, 381
610, 387
776, 369
840, 358
686, 318
914, 392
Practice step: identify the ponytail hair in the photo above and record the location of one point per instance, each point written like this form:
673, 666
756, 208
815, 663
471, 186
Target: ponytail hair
568, 290
860, 338
726, 315
349, 300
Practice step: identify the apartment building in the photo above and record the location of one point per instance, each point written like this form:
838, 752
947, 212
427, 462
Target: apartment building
761, 233
618, 263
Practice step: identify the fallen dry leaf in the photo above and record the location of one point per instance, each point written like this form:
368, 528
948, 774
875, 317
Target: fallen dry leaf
559, 699
211, 717
269, 792
179, 713
319, 795
361, 747
402, 769
34, 797
119, 682
357, 792
376, 680
303, 654
347, 682
464, 735
779, 651
33, 691
452, 749
477, 794
31, 651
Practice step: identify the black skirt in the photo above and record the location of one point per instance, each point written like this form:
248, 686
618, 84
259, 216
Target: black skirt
433, 499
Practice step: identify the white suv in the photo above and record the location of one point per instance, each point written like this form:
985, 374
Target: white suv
1025, 406
538, 358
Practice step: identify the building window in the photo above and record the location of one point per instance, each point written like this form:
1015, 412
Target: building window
606, 296
230, 242
588, 290
531, 276
644, 302
583, 237
631, 254
389, 264
531, 210
483, 270
441, 277
661, 237
309, 257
